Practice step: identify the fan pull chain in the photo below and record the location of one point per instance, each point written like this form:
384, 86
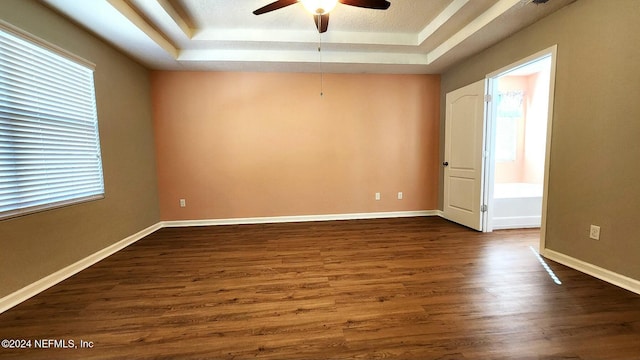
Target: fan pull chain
320, 54
321, 74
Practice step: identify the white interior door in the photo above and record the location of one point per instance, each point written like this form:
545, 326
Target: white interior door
463, 155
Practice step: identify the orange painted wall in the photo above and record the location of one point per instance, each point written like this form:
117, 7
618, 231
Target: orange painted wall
240, 145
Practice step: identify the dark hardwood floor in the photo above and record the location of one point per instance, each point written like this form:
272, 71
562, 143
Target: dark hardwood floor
414, 288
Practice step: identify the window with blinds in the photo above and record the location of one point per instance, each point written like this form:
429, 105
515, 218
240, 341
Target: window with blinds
49, 144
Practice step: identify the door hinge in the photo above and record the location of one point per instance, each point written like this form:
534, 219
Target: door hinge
488, 98
483, 208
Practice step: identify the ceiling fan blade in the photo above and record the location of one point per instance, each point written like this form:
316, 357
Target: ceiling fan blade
323, 24
274, 6
369, 4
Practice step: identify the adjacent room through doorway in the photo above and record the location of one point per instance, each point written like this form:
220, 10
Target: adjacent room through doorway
522, 105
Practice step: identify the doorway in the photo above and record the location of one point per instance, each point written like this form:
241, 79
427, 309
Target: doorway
518, 132
470, 152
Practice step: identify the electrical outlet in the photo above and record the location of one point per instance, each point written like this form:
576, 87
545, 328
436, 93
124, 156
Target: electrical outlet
377, 196
594, 232
400, 195
183, 203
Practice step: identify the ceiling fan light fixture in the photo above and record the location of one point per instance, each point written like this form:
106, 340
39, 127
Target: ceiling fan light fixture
319, 7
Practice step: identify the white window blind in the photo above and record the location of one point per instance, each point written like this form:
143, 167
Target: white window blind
49, 144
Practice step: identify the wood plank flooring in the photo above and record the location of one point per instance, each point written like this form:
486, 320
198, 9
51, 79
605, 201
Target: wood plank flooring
415, 288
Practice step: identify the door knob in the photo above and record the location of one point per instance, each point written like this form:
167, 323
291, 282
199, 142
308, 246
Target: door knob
446, 163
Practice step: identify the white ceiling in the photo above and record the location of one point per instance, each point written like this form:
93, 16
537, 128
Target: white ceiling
412, 36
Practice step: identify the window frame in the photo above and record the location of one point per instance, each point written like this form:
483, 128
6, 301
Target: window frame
68, 56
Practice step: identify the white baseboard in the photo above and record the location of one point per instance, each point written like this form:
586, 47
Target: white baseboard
609, 276
46, 282
516, 222
299, 218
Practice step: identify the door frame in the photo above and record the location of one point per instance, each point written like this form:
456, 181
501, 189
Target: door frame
490, 119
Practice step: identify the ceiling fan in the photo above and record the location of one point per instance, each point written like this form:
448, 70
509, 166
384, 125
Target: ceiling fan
321, 8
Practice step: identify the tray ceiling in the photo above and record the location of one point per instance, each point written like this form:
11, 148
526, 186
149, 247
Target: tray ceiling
412, 36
